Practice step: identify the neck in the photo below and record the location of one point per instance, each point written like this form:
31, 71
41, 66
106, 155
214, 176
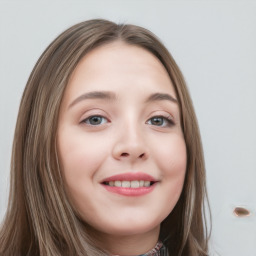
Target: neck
135, 244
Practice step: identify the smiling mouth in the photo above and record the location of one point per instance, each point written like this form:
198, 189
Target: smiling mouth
129, 184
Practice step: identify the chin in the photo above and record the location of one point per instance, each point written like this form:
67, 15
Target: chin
130, 227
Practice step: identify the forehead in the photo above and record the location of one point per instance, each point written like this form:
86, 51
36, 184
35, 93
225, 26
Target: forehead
119, 66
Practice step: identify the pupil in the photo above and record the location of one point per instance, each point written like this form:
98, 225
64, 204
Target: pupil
95, 120
157, 121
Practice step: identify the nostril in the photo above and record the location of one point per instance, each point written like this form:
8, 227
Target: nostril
125, 154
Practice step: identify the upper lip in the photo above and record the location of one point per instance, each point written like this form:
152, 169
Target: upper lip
129, 176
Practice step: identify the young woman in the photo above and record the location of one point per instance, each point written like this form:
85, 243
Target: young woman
107, 157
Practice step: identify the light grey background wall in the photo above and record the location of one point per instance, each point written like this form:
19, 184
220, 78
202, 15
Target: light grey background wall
214, 45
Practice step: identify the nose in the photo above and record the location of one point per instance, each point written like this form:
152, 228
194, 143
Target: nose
130, 146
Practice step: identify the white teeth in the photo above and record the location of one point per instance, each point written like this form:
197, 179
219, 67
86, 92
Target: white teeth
118, 183
135, 184
126, 184
129, 184
141, 183
147, 183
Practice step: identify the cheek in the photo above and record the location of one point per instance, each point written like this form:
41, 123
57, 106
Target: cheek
172, 160
172, 156
79, 158
77, 151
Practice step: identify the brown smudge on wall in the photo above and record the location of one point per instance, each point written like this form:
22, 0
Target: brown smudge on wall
241, 212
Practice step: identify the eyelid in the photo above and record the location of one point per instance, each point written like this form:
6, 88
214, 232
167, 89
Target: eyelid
94, 112
88, 118
163, 114
167, 117
101, 113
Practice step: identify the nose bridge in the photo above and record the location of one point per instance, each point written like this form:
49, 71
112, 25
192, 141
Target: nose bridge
132, 136
130, 143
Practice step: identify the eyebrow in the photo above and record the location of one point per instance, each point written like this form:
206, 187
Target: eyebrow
160, 97
105, 95
94, 95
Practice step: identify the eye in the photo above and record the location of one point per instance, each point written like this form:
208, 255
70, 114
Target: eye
95, 120
161, 121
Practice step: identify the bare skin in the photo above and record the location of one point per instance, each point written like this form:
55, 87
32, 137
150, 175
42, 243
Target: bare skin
119, 116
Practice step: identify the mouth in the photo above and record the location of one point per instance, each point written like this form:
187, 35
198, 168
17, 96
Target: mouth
130, 184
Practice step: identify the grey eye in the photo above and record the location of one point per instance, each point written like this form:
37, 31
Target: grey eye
95, 120
157, 121
161, 121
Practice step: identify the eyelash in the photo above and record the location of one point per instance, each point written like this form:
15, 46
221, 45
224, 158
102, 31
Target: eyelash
93, 116
168, 119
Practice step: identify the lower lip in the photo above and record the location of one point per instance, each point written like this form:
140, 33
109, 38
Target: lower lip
130, 191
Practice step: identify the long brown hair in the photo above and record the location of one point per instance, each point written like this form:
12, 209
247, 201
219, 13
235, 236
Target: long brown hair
39, 219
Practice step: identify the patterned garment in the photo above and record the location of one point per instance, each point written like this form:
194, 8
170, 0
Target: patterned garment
158, 250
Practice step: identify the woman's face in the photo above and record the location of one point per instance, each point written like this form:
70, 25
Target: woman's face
120, 141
